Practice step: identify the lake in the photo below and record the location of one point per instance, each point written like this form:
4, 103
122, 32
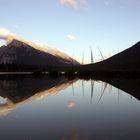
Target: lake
44, 108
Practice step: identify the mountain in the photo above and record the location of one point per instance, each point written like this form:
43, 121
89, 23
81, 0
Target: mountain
21, 52
127, 60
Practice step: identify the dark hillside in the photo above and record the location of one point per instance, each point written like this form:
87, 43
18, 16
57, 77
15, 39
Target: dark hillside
127, 60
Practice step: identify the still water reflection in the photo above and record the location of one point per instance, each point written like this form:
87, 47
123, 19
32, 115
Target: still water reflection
62, 109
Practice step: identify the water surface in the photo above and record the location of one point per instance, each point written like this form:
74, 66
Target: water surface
62, 109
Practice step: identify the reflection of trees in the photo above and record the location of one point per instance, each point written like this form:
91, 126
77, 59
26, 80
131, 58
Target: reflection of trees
92, 90
83, 87
73, 89
130, 86
102, 93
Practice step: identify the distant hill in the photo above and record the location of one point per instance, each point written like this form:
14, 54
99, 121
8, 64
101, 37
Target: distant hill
127, 60
22, 53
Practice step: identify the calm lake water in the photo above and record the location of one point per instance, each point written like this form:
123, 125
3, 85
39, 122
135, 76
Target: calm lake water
62, 109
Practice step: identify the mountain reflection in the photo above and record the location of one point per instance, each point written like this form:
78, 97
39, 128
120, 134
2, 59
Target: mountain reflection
130, 86
87, 110
16, 92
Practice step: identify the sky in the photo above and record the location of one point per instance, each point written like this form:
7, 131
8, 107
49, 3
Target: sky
75, 26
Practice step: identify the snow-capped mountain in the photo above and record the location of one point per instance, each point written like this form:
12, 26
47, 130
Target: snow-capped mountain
22, 52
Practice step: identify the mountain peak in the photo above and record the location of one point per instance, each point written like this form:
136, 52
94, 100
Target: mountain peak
19, 42
20, 51
15, 42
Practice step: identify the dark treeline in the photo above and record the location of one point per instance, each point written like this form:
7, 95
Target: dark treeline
82, 71
25, 68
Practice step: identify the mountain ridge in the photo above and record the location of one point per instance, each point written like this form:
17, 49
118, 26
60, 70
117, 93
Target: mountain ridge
43, 48
21, 52
127, 60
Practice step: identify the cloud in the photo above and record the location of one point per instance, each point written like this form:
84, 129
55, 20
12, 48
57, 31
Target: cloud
71, 37
74, 3
71, 3
4, 33
71, 104
7, 35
